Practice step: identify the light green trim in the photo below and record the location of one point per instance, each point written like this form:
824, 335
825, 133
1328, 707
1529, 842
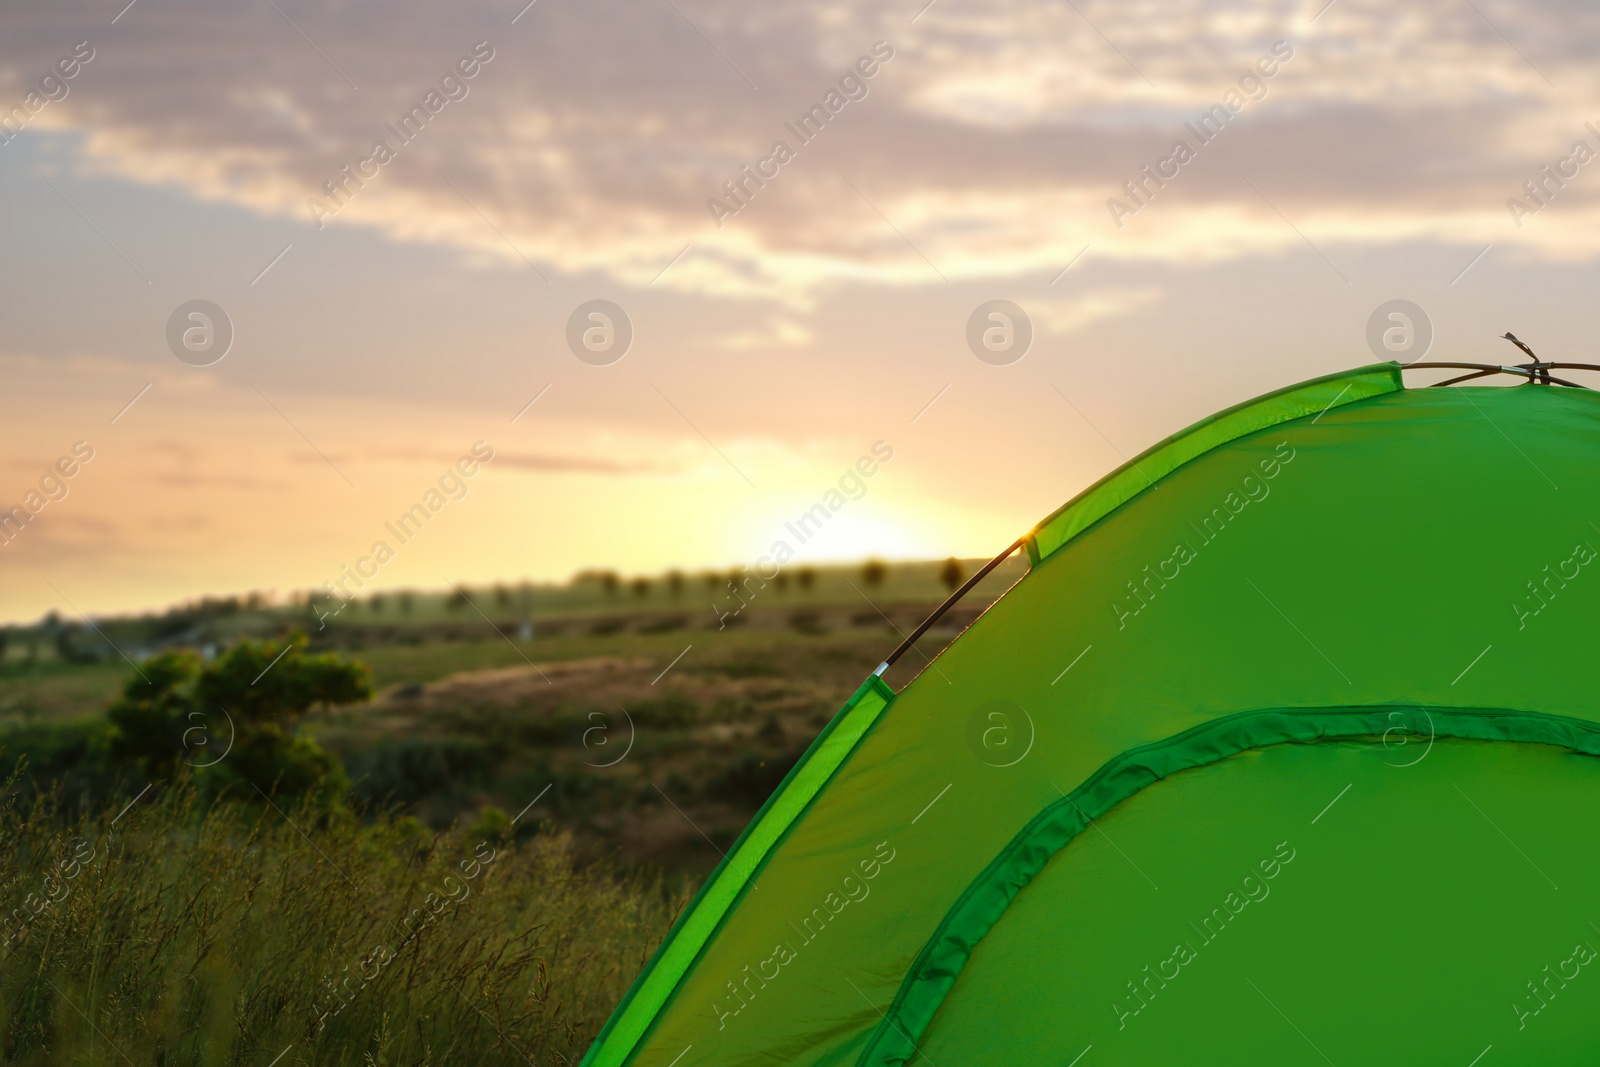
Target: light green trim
1150, 466
700, 920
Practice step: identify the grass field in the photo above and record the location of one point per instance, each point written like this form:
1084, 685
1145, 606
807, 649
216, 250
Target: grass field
604, 760
54, 690
179, 937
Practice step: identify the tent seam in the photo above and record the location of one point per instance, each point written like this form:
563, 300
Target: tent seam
934, 972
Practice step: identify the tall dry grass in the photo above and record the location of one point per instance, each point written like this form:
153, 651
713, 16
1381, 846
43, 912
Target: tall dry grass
177, 936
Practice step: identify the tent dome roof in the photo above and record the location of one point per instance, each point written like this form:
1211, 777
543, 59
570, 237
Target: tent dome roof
1341, 633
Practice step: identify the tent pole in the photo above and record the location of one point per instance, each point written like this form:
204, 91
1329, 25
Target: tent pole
1539, 372
949, 603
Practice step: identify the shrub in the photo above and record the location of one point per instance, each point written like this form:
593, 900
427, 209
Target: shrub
75, 758
405, 770
234, 718
673, 709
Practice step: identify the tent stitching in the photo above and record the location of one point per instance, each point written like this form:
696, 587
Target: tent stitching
986, 898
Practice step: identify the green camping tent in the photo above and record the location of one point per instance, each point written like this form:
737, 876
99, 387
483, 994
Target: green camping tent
1281, 753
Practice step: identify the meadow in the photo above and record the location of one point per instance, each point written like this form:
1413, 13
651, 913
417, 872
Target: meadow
535, 787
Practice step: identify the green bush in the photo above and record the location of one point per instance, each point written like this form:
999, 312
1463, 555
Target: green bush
73, 759
234, 719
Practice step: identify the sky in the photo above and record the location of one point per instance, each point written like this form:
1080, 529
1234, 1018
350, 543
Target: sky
399, 217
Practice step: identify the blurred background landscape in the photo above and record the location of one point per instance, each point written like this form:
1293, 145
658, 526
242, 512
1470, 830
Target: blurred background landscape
258, 813
607, 699
406, 825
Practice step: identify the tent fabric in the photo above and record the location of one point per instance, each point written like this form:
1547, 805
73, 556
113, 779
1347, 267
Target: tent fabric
1399, 928
986, 900
1290, 574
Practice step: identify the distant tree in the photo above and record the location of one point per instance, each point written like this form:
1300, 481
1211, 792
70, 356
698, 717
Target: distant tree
376, 602
148, 720
172, 715
405, 603
502, 597
675, 583
781, 580
713, 581
246, 679
806, 577
640, 587
457, 599
320, 606
5, 639
70, 647
213, 607
873, 572
951, 573
610, 582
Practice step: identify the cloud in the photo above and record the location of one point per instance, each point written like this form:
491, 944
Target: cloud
549, 464
542, 462
1074, 314
987, 147
777, 332
191, 480
63, 539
